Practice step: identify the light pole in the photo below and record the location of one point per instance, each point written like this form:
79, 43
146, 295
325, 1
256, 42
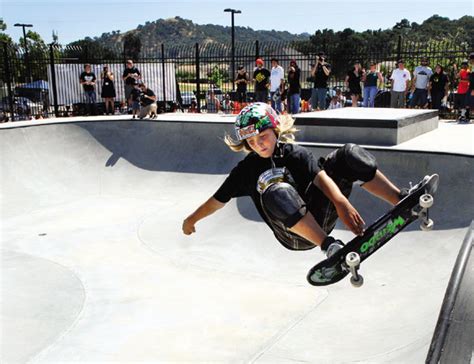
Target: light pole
233, 11
27, 57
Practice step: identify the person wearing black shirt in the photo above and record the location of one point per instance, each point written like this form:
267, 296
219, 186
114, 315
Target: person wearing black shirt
320, 73
294, 87
352, 82
147, 102
470, 91
298, 196
261, 78
87, 80
242, 79
438, 87
108, 90
131, 75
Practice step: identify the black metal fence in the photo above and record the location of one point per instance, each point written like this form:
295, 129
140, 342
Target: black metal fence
46, 83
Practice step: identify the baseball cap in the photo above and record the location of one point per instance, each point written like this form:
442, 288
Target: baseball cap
259, 61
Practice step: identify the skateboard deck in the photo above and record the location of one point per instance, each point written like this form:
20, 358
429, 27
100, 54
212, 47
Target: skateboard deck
347, 260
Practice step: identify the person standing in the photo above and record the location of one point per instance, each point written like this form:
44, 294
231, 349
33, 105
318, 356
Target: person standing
352, 82
438, 87
462, 95
470, 92
261, 78
277, 84
400, 85
130, 75
108, 90
87, 80
421, 78
370, 80
294, 88
320, 73
242, 79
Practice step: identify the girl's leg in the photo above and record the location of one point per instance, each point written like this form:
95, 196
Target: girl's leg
382, 187
372, 93
354, 99
366, 96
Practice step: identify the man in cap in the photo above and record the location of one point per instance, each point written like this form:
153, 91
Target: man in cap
261, 79
419, 88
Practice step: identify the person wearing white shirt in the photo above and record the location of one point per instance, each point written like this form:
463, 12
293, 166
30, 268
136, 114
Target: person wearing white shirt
400, 84
277, 84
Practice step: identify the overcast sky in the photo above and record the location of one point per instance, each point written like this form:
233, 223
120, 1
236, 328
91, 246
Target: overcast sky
76, 19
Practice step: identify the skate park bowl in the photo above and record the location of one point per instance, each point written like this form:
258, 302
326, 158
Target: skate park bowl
95, 267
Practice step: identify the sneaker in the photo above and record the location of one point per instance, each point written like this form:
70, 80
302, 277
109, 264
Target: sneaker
334, 247
405, 191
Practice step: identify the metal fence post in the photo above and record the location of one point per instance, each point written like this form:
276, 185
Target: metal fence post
399, 47
198, 79
257, 49
163, 70
53, 80
7, 76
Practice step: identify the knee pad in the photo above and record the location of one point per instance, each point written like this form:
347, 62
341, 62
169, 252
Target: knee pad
351, 162
283, 203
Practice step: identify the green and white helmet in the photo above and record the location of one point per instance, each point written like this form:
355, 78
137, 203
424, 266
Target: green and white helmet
255, 118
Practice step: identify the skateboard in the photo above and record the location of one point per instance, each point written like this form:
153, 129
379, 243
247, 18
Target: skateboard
347, 260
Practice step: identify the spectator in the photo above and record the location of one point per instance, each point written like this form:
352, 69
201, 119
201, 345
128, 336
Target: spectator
470, 92
135, 95
131, 75
400, 80
242, 79
213, 103
419, 88
438, 87
87, 80
294, 88
335, 103
277, 84
370, 84
108, 90
147, 102
227, 104
261, 78
462, 94
352, 82
193, 108
320, 73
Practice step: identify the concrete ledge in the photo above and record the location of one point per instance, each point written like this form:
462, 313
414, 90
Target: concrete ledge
375, 126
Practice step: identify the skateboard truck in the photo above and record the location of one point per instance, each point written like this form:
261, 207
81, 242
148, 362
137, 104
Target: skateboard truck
353, 263
426, 201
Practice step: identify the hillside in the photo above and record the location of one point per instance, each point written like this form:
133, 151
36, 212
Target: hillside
184, 32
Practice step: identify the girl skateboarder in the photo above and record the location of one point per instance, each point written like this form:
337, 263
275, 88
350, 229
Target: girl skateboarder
298, 197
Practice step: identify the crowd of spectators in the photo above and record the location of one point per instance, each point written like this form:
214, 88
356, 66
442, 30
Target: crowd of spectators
363, 86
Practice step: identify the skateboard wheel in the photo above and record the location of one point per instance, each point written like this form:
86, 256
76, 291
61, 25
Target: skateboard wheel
352, 259
357, 282
427, 225
426, 201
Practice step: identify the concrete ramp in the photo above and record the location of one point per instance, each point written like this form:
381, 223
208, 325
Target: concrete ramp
95, 266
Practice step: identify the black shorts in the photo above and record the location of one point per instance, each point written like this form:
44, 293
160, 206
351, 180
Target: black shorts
346, 165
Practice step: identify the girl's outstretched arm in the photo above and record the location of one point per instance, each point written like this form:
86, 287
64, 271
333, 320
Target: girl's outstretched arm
206, 209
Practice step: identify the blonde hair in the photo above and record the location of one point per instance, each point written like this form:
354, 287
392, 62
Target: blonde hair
285, 133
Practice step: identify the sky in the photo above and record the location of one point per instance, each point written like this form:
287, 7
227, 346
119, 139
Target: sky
76, 19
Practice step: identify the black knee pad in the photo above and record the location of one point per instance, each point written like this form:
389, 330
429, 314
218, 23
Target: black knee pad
282, 202
351, 162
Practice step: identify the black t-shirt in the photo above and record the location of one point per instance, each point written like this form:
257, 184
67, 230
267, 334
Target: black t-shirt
145, 101
242, 86
354, 80
135, 94
87, 77
438, 82
130, 80
320, 78
242, 180
294, 81
262, 78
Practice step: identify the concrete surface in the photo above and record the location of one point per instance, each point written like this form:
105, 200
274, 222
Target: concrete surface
95, 267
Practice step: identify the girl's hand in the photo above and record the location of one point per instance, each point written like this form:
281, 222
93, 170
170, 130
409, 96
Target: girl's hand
350, 217
188, 227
